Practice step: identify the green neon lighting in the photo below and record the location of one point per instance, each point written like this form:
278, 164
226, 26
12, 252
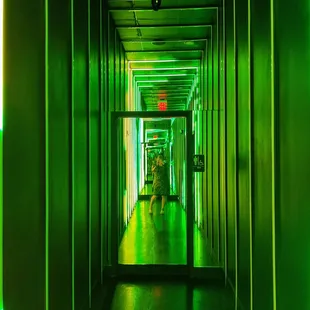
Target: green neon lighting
1, 64
250, 170
136, 98
72, 161
184, 193
1, 223
128, 87
154, 81
199, 142
274, 275
163, 81
174, 68
130, 142
89, 164
172, 85
163, 75
162, 61
1, 150
46, 162
141, 155
130, 96
235, 202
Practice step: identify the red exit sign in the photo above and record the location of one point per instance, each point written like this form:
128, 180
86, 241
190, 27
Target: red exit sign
162, 105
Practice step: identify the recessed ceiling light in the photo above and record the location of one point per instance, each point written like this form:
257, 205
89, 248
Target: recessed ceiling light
189, 43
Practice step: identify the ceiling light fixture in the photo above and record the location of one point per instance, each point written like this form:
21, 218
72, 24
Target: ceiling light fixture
161, 75
156, 4
167, 68
154, 81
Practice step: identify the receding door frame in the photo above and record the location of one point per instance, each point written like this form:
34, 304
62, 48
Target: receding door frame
118, 269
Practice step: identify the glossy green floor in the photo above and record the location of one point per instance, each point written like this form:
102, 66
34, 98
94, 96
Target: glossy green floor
160, 239
164, 296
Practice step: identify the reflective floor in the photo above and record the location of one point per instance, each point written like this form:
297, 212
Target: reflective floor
160, 239
162, 296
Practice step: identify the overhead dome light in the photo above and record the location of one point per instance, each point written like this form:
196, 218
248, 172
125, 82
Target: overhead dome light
159, 42
189, 43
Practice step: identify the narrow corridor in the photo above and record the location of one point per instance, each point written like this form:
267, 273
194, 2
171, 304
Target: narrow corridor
92, 92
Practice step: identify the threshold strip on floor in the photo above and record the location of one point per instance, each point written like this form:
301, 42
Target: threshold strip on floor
176, 271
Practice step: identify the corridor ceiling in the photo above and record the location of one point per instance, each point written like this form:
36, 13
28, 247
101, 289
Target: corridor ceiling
165, 48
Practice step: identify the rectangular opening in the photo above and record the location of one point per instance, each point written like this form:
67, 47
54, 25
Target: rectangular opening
151, 191
174, 242
141, 239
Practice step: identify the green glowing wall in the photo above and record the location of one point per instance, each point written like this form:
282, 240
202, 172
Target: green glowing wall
130, 141
249, 156
117, 100
211, 142
59, 138
292, 97
216, 148
262, 157
231, 157
243, 92
1, 154
80, 151
142, 162
56, 151
267, 152
104, 137
1, 218
204, 137
198, 177
24, 182
179, 158
222, 142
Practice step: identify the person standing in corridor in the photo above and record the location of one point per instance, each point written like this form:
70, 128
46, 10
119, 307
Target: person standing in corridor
160, 184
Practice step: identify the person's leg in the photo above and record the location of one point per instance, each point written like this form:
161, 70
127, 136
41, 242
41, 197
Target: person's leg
151, 203
163, 203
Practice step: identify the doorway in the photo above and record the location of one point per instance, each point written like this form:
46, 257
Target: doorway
139, 257
171, 252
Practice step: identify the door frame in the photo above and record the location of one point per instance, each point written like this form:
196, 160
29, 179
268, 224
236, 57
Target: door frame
177, 270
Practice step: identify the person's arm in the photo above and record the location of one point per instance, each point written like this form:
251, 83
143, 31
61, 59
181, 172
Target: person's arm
154, 168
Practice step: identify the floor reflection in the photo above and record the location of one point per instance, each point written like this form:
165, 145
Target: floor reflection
160, 239
171, 296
